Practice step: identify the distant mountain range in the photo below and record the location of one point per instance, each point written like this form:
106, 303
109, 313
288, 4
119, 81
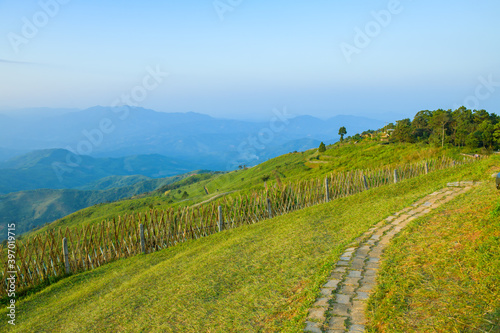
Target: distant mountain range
199, 140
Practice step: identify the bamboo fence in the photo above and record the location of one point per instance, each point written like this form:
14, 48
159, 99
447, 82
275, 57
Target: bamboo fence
67, 251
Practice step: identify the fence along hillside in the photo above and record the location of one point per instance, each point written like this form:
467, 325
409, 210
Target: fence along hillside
60, 252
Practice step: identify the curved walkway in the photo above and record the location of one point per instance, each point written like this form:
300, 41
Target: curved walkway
342, 304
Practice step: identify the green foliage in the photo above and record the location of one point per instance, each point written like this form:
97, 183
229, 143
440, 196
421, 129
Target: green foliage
462, 127
322, 147
342, 132
403, 131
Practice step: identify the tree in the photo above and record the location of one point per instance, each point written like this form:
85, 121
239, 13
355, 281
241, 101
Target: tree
473, 140
403, 131
480, 116
462, 125
342, 132
496, 133
487, 131
440, 118
322, 147
420, 125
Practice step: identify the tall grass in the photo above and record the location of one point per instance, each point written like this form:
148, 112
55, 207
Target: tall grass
41, 258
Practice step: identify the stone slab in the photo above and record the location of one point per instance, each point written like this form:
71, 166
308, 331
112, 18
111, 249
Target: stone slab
343, 299
340, 309
321, 302
337, 323
331, 283
326, 291
369, 279
373, 265
351, 281
367, 288
312, 327
317, 314
358, 264
370, 272
357, 329
348, 290
354, 274
360, 295
358, 318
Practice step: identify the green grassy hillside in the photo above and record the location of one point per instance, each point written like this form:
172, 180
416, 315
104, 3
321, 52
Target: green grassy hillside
293, 166
443, 273
261, 277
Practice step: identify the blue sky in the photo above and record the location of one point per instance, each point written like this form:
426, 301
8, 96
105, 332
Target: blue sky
261, 55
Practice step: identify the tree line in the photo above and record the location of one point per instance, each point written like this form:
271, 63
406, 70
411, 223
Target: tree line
462, 128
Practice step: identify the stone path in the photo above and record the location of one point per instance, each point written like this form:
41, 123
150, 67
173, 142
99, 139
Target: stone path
342, 304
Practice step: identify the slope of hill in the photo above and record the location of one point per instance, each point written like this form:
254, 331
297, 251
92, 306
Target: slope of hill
259, 277
59, 169
31, 209
443, 273
289, 167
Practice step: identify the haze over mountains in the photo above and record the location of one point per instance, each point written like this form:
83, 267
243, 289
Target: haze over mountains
193, 138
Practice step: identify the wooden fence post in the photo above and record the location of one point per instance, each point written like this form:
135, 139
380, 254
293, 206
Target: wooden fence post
395, 176
221, 219
426, 167
269, 209
143, 242
66, 255
366, 183
327, 191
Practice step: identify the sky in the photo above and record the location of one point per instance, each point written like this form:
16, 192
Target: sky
243, 58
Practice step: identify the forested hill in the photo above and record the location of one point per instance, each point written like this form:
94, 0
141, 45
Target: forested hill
460, 127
